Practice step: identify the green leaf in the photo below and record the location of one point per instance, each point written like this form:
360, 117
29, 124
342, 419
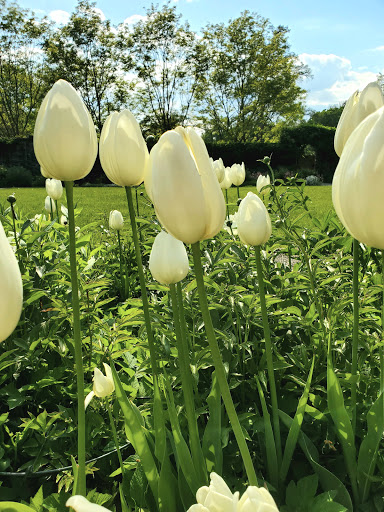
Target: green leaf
10, 506
342, 425
137, 434
212, 446
270, 445
370, 447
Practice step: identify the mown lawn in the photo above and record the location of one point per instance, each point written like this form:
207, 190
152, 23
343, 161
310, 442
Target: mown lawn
96, 202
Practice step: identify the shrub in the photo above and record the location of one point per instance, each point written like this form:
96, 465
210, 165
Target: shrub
312, 180
16, 176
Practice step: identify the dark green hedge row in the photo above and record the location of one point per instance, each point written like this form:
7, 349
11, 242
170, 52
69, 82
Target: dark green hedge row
305, 146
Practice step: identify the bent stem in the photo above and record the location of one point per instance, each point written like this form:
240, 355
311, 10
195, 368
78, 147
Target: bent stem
81, 482
187, 387
268, 353
355, 333
219, 367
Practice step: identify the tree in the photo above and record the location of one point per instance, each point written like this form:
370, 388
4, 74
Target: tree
251, 82
162, 53
327, 117
84, 52
24, 77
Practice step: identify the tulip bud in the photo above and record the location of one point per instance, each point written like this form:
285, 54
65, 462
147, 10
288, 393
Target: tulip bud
123, 152
11, 288
183, 187
168, 261
226, 183
253, 222
218, 169
262, 181
266, 160
64, 139
357, 108
54, 188
358, 182
256, 499
81, 504
11, 199
49, 205
116, 220
103, 385
237, 174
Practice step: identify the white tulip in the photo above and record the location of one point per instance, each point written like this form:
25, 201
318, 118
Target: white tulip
256, 499
263, 181
49, 205
219, 169
168, 261
64, 139
253, 221
116, 220
54, 188
237, 174
103, 385
226, 183
357, 108
123, 151
81, 504
11, 288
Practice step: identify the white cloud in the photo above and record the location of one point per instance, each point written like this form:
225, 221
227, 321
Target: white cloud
135, 18
59, 17
334, 79
100, 13
378, 49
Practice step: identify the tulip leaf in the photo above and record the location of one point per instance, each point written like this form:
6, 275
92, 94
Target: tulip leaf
183, 454
295, 427
212, 446
10, 506
137, 435
270, 445
328, 481
370, 447
342, 424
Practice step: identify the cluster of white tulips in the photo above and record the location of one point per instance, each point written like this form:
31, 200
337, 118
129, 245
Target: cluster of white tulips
358, 182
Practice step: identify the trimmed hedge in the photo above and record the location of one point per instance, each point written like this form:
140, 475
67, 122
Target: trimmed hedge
287, 156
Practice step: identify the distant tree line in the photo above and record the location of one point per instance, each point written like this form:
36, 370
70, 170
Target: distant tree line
238, 81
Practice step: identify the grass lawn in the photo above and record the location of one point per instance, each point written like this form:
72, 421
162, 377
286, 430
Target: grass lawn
96, 202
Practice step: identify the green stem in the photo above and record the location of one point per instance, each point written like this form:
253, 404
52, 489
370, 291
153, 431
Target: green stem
268, 353
121, 266
114, 435
219, 367
226, 202
187, 387
238, 192
184, 330
144, 296
81, 482
137, 203
14, 228
355, 333
57, 211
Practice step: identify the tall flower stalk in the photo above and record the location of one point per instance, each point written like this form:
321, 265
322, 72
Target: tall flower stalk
81, 482
219, 367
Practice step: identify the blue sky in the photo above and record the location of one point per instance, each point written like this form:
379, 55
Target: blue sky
341, 41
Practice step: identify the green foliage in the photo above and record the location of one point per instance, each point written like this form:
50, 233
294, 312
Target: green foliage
251, 80
84, 53
24, 77
327, 117
163, 54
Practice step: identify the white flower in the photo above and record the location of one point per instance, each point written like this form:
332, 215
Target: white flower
116, 220
54, 188
49, 205
103, 385
262, 181
215, 498
81, 504
168, 261
257, 499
